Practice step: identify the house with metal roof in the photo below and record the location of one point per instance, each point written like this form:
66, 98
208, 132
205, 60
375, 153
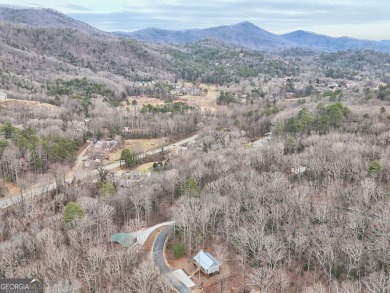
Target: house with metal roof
208, 264
126, 239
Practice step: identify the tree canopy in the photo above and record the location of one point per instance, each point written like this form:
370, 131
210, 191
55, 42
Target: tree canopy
325, 118
129, 158
190, 187
72, 211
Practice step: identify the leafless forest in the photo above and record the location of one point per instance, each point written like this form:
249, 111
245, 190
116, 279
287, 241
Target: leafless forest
305, 211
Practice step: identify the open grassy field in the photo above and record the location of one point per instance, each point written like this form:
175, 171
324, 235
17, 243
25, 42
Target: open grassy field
144, 168
207, 102
24, 105
143, 100
137, 145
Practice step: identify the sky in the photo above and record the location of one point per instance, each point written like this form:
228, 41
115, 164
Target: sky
369, 19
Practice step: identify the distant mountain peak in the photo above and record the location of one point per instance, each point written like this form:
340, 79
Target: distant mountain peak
244, 34
245, 24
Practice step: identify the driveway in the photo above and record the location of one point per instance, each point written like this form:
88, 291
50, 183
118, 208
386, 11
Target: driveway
142, 235
159, 260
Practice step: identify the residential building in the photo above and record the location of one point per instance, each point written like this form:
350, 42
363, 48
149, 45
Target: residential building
3, 96
208, 264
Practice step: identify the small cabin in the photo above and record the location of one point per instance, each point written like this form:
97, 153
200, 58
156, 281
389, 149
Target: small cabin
208, 264
3, 96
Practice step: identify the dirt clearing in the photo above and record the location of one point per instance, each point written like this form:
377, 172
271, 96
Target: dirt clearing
230, 280
8, 189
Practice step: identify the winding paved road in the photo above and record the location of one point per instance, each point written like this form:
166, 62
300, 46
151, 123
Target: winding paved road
159, 260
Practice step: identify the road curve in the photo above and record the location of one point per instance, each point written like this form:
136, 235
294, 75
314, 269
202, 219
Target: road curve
159, 260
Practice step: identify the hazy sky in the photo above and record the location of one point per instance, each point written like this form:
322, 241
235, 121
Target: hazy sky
369, 19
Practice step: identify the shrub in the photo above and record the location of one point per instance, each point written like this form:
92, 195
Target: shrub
72, 211
129, 157
179, 251
374, 167
108, 188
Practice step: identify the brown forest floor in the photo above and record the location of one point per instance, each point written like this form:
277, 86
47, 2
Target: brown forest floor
229, 281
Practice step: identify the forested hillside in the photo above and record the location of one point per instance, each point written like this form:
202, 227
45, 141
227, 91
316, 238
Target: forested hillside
276, 163
44, 18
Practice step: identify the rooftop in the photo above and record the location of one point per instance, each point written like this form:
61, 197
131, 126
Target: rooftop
123, 238
206, 260
184, 278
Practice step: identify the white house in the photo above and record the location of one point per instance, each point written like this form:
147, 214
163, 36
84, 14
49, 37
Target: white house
298, 170
3, 96
208, 264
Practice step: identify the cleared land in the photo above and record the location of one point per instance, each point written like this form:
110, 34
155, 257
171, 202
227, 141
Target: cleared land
25, 105
205, 103
9, 189
138, 146
229, 280
143, 100
144, 168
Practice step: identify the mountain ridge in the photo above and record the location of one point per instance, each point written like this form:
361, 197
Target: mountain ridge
248, 35
245, 34
44, 18
328, 43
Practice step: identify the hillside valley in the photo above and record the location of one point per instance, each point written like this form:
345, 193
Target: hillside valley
127, 156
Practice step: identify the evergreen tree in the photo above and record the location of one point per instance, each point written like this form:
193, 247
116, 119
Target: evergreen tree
72, 211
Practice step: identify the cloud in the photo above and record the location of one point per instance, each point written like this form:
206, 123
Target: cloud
76, 7
227, 11
31, 4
